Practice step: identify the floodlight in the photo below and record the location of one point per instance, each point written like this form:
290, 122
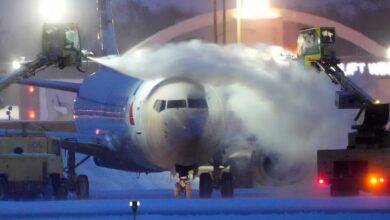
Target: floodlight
255, 9
52, 10
16, 64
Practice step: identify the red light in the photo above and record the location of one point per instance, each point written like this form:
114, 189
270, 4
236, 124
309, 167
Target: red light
321, 181
31, 114
31, 89
381, 180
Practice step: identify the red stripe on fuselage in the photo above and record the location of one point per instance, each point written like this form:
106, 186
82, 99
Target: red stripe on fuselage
131, 115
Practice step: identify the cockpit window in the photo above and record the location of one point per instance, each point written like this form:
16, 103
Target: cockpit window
159, 105
177, 104
197, 103
162, 105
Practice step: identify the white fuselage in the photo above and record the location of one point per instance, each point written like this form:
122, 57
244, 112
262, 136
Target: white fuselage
150, 126
176, 122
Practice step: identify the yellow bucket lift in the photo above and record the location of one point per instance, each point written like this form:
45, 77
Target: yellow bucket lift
316, 44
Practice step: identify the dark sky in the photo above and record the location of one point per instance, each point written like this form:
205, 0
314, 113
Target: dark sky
21, 23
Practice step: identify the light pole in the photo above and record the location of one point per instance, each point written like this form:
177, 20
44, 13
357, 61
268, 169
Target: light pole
238, 5
215, 21
388, 53
224, 22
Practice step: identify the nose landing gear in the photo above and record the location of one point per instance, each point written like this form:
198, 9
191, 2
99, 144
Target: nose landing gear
184, 184
216, 177
76, 183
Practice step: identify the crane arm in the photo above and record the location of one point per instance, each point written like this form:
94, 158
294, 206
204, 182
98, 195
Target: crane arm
316, 48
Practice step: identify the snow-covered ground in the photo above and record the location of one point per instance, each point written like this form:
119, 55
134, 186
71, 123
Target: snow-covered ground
158, 204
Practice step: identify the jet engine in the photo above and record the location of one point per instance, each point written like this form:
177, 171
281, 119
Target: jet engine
261, 167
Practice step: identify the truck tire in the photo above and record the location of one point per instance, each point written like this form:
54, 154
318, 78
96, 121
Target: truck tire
188, 190
48, 188
335, 190
61, 193
177, 190
3, 188
205, 185
344, 188
227, 188
82, 187
60, 189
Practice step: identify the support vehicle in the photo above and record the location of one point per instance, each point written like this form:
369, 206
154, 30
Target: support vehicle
365, 164
31, 164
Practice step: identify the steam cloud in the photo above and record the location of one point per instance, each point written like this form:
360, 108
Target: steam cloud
288, 108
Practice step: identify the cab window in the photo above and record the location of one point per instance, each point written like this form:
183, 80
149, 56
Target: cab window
72, 39
328, 36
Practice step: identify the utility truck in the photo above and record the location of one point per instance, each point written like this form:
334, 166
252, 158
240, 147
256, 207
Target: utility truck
31, 165
30, 161
364, 165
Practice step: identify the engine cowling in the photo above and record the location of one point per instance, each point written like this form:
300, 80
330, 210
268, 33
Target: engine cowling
275, 169
260, 167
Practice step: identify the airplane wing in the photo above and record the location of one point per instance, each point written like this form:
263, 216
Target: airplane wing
45, 126
51, 84
92, 146
65, 131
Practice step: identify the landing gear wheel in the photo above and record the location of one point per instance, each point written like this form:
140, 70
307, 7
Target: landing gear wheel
183, 186
3, 188
227, 188
188, 190
176, 190
82, 187
205, 185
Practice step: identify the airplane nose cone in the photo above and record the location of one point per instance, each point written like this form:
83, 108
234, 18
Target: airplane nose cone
193, 127
187, 128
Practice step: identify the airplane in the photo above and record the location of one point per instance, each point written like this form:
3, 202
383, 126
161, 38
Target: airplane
145, 126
